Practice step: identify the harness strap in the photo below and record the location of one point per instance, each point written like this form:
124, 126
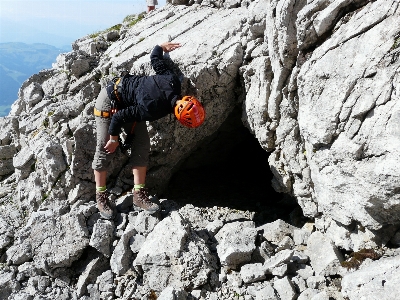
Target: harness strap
101, 113
116, 90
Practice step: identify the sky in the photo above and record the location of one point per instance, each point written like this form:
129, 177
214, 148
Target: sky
61, 22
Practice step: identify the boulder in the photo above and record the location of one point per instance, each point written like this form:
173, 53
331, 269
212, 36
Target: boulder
236, 243
275, 231
44, 234
379, 279
285, 289
278, 259
267, 293
102, 237
8, 284
173, 255
325, 258
120, 260
342, 123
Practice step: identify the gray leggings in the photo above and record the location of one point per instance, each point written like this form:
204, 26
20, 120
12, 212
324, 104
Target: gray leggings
141, 143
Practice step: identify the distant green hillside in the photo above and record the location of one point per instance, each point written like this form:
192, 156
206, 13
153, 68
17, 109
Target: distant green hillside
18, 61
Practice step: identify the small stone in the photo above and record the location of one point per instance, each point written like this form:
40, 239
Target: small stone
274, 232
315, 282
102, 237
305, 271
252, 272
136, 242
301, 236
285, 289
234, 279
266, 293
325, 258
285, 243
308, 294
280, 271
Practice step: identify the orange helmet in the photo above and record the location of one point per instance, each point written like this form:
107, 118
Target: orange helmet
189, 112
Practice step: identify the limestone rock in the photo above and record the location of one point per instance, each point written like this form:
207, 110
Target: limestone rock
308, 294
236, 243
145, 223
324, 256
285, 243
252, 272
170, 293
380, 279
89, 274
277, 260
159, 248
46, 233
173, 255
234, 279
350, 135
267, 293
33, 94
276, 231
300, 236
276, 83
316, 282
263, 252
8, 284
318, 85
6, 233
285, 289
105, 281
101, 237
214, 226
305, 272
120, 260
136, 242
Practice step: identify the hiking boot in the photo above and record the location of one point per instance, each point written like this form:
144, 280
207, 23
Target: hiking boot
105, 206
141, 199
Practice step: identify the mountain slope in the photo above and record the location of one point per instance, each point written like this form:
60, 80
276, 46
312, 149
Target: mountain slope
315, 83
18, 61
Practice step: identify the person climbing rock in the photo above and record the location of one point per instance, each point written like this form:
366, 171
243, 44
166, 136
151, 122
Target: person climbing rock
151, 5
128, 102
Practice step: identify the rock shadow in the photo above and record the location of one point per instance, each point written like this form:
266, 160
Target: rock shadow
232, 171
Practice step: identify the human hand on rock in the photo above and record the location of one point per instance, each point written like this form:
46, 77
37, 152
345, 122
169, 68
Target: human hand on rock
169, 46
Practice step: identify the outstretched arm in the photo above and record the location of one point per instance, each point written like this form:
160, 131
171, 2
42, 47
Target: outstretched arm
156, 57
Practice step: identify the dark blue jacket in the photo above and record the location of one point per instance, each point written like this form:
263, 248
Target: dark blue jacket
147, 98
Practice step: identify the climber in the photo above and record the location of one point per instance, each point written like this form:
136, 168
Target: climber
128, 102
151, 5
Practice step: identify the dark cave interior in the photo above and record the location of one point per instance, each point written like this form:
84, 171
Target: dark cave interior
231, 171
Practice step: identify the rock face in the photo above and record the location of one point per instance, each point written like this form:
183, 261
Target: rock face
43, 236
318, 85
349, 117
372, 281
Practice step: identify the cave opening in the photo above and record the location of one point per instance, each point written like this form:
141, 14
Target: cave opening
231, 170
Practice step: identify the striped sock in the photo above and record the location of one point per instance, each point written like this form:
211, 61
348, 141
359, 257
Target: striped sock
101, 189
137, 187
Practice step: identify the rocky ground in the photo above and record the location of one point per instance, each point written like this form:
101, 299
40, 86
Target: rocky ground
222, 233
317, 84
